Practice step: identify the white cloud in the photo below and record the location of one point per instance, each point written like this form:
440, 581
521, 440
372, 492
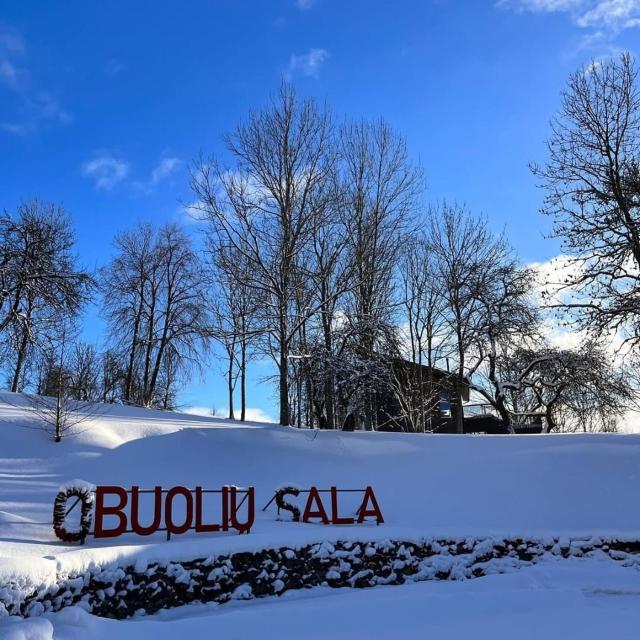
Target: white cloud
11, 53
191, 212
604, 19
15, 128
106, 171
308, 64
115, 67
303, 5
612, 14
161, 172
7, 71
40, 108
551, 276
542, 6
552, 290
34, 106
165, 168
48, 107
11, 41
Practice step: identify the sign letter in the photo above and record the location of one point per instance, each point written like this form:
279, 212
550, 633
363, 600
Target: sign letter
117, 510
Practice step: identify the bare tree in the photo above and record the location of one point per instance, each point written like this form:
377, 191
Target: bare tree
593, 195
468, 261
325, 278
39, 281
424, 333
509, 320
234, 315
56, 402
380, 187
85, 371
155, 300
112, 377
265, 207
572, 389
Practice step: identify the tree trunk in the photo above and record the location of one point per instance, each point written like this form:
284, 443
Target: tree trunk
551, 425
161, 349
147, 392
243, 380
329, 392
230, 386
499, 402
459, 409
299, 397
128, 387
284, 385
58, 425
22, 352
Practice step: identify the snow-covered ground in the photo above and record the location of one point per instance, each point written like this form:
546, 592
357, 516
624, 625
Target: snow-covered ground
568, 600
577, 485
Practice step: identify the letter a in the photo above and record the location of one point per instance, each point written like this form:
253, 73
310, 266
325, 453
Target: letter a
319, 512
363, 511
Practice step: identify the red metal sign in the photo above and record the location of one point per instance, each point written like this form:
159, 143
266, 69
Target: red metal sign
177, 510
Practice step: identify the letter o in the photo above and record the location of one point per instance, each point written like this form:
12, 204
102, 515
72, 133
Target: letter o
168, 509
85, 496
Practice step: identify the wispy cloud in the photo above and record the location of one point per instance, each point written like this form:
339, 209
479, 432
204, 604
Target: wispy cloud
551, 290
7, 71
603, 19
115, 67
11, 41
611, 14
166, 168
541, 6
303, 5
307, 64
33, 106
106, 171
12, 49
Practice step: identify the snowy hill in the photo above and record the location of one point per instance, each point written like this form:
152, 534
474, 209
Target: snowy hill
577, 485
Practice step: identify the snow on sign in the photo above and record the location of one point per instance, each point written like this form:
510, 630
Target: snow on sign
116, 511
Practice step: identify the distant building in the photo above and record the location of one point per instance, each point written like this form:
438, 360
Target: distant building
420, 395
425, 398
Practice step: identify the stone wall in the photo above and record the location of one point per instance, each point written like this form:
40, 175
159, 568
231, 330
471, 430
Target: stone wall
121, 592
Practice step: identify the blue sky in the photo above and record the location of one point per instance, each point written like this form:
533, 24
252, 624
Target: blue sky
103, 105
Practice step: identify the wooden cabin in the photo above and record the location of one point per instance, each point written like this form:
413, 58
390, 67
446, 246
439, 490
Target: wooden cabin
422, 395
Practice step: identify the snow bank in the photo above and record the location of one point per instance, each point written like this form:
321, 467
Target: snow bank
444, 487
586, 599
120, 591
32, 629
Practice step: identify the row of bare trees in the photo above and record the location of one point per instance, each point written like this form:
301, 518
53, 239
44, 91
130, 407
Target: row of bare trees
319, 253
40, 284
307, 223
155, 300
153, 295
327, 263
488, 312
